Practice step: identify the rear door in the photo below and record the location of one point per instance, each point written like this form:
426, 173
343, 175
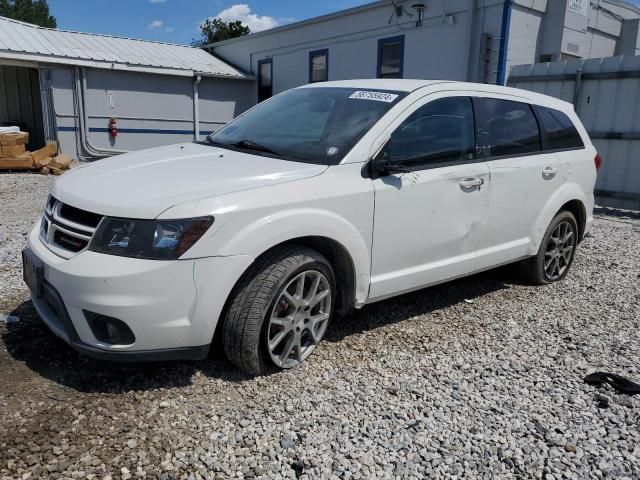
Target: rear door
523, 176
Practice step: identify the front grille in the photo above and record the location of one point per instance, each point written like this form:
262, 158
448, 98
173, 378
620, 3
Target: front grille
80, 216
69, 242
67, 230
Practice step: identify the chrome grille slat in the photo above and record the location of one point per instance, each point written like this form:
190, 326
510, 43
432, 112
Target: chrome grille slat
78, 226
57, 224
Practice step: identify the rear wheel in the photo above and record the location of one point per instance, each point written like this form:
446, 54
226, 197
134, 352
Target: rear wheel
280, 310
557, 251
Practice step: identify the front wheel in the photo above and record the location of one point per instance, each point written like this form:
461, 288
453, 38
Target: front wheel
280, 310
556, 253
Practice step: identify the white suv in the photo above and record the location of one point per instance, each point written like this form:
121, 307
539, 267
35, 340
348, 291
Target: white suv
323, 198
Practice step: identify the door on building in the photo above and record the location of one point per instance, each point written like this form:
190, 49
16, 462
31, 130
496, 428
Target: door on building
439, 203
20, 103
265, 79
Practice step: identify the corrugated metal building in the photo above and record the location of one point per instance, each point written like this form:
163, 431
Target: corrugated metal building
68, 86
472, 40
606, 96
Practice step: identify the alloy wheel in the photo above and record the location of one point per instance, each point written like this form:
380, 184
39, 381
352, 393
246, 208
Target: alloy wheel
559, 251
299, 318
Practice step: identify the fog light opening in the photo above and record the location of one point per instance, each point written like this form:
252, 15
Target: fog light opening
109, 330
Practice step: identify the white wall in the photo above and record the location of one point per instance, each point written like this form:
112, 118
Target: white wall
150, 110
440, 49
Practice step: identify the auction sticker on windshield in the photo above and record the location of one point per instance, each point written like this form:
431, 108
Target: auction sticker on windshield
376, 96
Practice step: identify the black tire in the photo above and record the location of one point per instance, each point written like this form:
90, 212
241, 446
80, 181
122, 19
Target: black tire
534, 267
244, 334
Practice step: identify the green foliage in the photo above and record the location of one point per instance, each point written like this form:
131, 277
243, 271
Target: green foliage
215, 30
30, 11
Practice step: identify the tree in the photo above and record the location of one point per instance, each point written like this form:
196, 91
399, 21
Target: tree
30, 11
216, 30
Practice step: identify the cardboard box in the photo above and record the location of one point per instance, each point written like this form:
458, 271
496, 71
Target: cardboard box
12, 151
61, 162
49, 151
43, 163
23, 162
12, 139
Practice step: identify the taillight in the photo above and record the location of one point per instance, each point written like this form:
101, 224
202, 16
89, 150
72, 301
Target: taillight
598, 161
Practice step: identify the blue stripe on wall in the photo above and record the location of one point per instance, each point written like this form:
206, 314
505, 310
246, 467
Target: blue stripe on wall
138, 130
504, 42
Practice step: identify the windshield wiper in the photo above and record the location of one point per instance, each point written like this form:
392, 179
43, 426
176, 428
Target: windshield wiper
246, 144
251, 145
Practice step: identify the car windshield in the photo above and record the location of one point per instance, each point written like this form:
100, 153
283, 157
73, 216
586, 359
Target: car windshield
315, 125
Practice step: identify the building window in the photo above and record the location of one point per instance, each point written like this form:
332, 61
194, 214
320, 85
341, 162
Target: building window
319, 66
391, 57
265, 79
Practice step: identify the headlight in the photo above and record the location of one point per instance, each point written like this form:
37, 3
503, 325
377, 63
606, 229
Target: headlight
150, 239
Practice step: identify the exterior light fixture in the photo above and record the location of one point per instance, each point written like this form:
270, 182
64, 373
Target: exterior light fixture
419, 8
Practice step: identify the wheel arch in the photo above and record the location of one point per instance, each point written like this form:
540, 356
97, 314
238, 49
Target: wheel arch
570, 197
336, 253
577, 208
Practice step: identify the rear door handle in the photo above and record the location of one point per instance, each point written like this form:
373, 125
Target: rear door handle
549, 172
470, 183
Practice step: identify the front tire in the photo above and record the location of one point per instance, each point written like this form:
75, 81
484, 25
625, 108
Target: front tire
280, 310
556, 253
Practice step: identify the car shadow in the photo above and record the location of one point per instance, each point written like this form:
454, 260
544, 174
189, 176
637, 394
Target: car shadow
31, 342
421, 302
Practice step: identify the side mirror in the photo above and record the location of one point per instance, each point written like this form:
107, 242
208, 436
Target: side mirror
381, 166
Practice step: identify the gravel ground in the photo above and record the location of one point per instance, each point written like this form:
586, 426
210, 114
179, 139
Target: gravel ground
478, 378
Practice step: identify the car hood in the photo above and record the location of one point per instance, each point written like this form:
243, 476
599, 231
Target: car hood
144, 184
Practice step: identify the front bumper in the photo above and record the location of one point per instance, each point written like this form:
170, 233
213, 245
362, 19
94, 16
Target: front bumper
172, 307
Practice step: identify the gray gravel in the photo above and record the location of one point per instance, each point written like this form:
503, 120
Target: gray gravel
478, 378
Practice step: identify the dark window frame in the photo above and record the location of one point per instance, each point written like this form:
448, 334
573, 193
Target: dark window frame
381, 43
476, 158
264, 61
319, 53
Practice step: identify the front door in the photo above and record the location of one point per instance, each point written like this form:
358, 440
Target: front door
429, 219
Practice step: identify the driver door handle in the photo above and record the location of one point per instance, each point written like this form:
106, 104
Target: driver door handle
469, 183
549, 172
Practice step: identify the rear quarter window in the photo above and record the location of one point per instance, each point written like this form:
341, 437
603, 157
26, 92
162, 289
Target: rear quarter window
559, 130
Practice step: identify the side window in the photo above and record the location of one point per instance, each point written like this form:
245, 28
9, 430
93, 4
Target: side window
505, 128
559, 129
440, 131
319, 66
265, 79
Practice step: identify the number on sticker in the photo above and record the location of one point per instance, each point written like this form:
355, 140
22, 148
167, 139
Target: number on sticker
375, 96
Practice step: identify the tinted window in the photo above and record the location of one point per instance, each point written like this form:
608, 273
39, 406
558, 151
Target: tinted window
559, 129
440, 131
316, 125
319, 66
505, 128
390, 57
